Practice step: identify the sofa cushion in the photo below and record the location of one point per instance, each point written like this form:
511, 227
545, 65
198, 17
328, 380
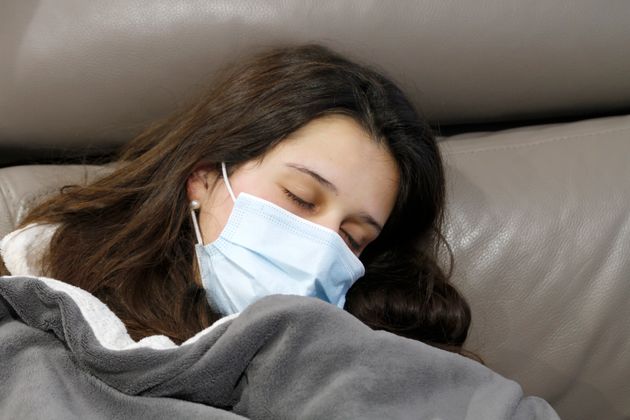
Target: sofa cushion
539, 221
23, 186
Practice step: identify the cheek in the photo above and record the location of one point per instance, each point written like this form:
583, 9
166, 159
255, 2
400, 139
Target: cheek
212, 220
250, 182
214, 212
260, 186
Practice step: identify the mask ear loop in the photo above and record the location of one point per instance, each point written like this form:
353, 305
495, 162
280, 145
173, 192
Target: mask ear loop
227, 182
194, 205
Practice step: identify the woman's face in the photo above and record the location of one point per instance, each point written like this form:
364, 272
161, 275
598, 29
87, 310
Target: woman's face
329, 172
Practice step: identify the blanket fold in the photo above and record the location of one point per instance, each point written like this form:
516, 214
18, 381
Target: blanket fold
283, 357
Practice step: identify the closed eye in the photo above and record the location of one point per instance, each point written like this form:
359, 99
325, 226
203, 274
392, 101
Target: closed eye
297, 200
353, 244
310, 206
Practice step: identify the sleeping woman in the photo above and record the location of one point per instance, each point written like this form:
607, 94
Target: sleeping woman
298, 172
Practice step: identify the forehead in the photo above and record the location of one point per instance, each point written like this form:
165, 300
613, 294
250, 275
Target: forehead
338, 148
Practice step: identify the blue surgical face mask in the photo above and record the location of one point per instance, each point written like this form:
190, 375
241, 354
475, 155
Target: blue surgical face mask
265, 249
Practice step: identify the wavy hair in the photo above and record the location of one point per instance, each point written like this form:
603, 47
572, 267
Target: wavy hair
127, 238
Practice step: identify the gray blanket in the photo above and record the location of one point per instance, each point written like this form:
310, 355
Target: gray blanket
283, 357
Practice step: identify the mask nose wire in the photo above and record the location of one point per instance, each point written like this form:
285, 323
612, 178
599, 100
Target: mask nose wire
227, 181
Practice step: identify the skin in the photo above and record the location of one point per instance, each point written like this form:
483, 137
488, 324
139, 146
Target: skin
363, 175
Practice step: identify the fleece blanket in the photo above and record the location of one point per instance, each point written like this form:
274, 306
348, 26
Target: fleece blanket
64, 355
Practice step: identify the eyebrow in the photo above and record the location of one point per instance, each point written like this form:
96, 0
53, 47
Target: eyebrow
364, 217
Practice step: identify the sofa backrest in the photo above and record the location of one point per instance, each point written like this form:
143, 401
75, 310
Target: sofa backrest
79, 77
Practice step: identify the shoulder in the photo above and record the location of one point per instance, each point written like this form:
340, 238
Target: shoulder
22, 249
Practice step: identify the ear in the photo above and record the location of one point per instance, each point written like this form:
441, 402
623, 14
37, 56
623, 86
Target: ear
197, 184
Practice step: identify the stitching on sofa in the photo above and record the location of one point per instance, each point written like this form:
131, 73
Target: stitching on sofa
8, 197
7, 209
553, 139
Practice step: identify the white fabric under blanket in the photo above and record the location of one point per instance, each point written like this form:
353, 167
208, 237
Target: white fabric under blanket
21, 252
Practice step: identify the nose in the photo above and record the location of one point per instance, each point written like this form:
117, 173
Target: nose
330, 220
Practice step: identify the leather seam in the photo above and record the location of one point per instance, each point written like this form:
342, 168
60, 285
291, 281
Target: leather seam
545, 141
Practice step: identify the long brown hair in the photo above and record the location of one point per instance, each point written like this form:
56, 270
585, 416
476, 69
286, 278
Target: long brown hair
127, 238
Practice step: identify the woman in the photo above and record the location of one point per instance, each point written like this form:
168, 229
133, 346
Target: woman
298, 173
298, 131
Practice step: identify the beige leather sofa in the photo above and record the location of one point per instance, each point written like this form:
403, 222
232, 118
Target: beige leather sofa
531, 101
